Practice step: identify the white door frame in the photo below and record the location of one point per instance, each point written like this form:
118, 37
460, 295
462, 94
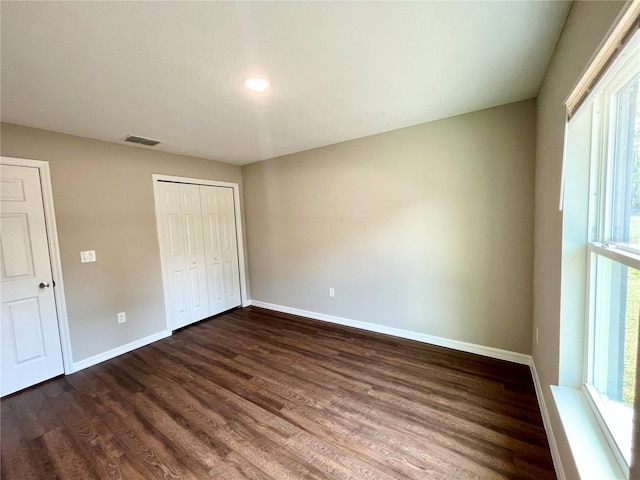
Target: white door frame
239, 236
54, 253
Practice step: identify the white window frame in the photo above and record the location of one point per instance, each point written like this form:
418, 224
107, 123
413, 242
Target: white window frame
607, 422
602, 150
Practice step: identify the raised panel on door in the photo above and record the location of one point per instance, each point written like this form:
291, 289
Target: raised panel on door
174, 253
179, 288
232, 287
229, 247
195, 256
193, 233
217, 285
175, 236
25, 330
15, 244
30, 340
213, 248
196, 275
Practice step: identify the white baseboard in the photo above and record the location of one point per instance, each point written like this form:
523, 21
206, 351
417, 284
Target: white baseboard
109, 354
397, 332
546, 421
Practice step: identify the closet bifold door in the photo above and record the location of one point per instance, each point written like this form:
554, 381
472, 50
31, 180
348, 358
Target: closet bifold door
194, 252
213, 248
173, 253
183, 253
221, 250
229, 248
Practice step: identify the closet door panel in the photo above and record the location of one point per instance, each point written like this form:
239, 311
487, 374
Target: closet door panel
175, 261
229, 248
194, 250
213, 248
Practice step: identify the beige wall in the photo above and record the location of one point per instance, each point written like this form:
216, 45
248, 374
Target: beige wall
586, 26
103, 198
427, 228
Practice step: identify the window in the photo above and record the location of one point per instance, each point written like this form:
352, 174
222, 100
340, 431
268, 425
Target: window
613, 268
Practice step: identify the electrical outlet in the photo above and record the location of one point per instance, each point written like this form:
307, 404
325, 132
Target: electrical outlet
537, 338
88, 256
332, 292
122, 317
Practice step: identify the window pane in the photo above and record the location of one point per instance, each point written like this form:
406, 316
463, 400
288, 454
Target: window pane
615, 341
624, 224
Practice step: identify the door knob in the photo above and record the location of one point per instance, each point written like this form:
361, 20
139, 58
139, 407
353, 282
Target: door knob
44, 285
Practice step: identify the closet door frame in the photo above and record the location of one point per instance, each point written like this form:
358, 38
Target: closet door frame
239, 232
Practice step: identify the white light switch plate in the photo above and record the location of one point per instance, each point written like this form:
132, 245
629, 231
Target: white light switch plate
88, 256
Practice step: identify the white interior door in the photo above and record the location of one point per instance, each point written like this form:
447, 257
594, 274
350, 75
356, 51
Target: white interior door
213, 248
31, 350
183, 253
173, 254
221, 247
229, 248
194, 243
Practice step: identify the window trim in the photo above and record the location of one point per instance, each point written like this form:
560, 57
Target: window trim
613, 252
603, 107
596, 405
625, 27
591, 449
631, 260
594, 400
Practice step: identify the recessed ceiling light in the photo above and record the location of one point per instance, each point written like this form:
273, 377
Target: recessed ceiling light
256, 83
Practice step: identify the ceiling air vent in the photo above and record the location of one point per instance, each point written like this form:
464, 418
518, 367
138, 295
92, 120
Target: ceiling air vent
141, 140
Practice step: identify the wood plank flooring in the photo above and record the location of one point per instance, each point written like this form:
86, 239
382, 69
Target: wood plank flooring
254, 394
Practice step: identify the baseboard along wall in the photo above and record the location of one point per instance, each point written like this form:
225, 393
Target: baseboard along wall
115, 352
546, 421
398, 332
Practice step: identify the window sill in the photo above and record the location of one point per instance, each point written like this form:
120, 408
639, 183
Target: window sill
591, 451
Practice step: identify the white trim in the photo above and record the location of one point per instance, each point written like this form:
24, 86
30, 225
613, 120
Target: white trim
624, 257
397, 332
54, 253
239, 236
607, 49
607, 423
244, 297
546, 421
591, 451
193, 181
122, 349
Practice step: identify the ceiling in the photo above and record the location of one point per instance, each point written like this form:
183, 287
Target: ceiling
174, 71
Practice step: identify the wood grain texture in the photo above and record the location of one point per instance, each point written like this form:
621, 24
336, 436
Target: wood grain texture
254, 394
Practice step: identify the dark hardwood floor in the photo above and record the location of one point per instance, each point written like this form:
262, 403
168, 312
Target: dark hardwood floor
262, 395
